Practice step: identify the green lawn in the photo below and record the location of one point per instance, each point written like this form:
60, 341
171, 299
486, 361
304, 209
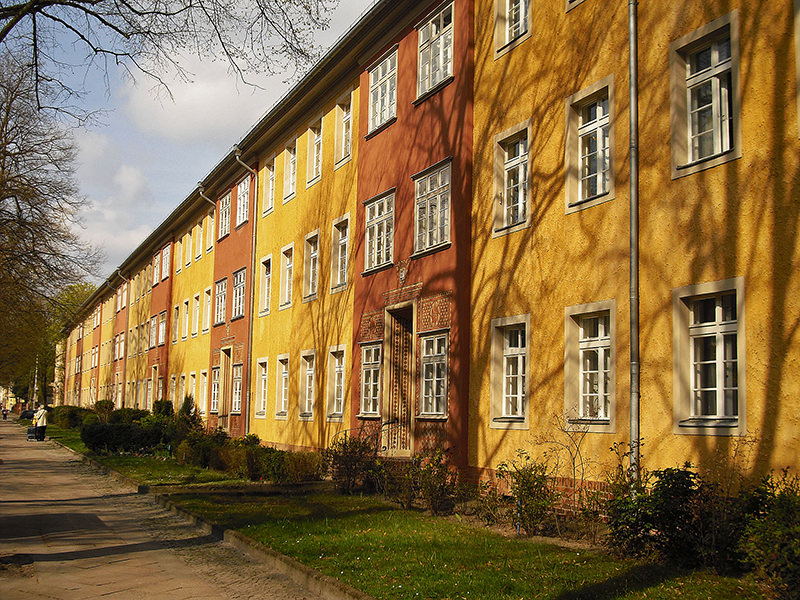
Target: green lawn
71, 438
392, 553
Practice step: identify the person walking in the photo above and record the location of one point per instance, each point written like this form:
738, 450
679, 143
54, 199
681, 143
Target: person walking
5, 413
40, 419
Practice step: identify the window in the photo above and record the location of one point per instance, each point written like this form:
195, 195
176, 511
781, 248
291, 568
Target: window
196, 315
262, 387
509, 372
290, 171
220, 291
172, 390
238, 293
339, 259
242, 200
202, 393
187, 248
307, 385
156, 268
344, 129
176, 317
286, 276
214, 390
266, 284
236, 398
269, 187
210, 235
704, 95
512, 168
336, 382
185, 333
206, 309
153, 331
282, 404
589, 150
432, 208
314, 152
383, 91
370, 379
590, 365
512, 24
165, 262
709, 355
379, 224
435, 50
434, 375
311, 266
198, 246
178, 255
162, 328
224, 215
181, 390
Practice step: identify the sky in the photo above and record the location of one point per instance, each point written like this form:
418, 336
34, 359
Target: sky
148, 151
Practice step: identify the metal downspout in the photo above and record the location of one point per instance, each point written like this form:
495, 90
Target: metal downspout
633, 84
238, 155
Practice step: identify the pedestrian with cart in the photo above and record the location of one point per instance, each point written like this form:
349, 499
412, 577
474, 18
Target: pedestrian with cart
40, 421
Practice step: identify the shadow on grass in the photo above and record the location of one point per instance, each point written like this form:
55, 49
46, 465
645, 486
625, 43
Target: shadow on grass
637, 578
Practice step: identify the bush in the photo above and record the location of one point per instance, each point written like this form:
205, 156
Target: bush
436, 481
103, 408
303, 466
163, 408
493, 505
533, 497
89, 418
350, 461
203, 449
69, 417
628, 508
127, 415
120, 437
397, 480
771, 541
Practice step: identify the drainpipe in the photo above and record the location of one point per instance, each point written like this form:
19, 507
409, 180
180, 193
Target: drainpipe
633, 82
201, 190
237, 152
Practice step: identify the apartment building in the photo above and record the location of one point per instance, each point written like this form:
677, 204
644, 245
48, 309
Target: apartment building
428, 241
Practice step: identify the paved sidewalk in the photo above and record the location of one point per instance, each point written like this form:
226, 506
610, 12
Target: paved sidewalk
68, 533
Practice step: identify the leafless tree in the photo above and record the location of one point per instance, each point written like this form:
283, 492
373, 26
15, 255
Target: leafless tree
40, 254
150, 36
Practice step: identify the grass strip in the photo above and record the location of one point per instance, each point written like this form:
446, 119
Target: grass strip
391, 553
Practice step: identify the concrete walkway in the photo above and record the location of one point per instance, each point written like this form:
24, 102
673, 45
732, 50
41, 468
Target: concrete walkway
67, 532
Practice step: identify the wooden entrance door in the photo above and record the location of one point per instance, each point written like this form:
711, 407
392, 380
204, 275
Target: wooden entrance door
398, 401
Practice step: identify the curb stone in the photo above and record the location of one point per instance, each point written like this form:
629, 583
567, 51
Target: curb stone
323, 586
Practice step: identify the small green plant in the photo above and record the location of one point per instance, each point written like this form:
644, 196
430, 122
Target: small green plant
533, 497
493, 504
628, 508
103, 409
436, 481
350, 460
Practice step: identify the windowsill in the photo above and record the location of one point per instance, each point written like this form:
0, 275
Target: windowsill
431, 417
508, 229
306, 417
335, 418
368, 417
263, 313
289, 197
237, 413
213, 412
285, 306
218, 323
589, 421
342, 161
281, 416
194, 335
236, 318
431, 250
269, 211
311, 182
205, 330
377, 269
310, 298
508, 420
240, 225
704, 160
338, 288
380, 128
222, 237
434, 90
710, 422
510, 45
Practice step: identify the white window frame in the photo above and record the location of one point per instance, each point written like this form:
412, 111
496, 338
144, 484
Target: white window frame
434, 376
337, 356
682, 80
201, 405
503, 166
157, 268
290, 171
311, 266
383, 90
206, 309
224, 222
176, 323
344, 129
266, 285
282, 386
178, 255
215, 377
315, 147
510, 32
186, 319
262, 366
340, 247
269, 187
501, 355
153, 331
242, 200
435, 49
198, 246
432, 207
196, 315
236, 388
371, 382
210, 234
379, 231
307, 385
220, 293
187, 248
238, 295
575, 199
686, 420
287, 275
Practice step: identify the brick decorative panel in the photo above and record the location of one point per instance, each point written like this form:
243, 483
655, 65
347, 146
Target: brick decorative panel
402, 294
215, 358
238, 353
430, 435
371, 327
434, 312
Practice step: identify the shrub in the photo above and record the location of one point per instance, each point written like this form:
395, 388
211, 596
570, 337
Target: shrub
675, 515
119, 437
303, 466
103, 408
350, 461
90, 418
127, 415
163, 408
397, 480
69, 417
203, 449
436, 481
533, 497
628, 508
493, 505
771, 541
